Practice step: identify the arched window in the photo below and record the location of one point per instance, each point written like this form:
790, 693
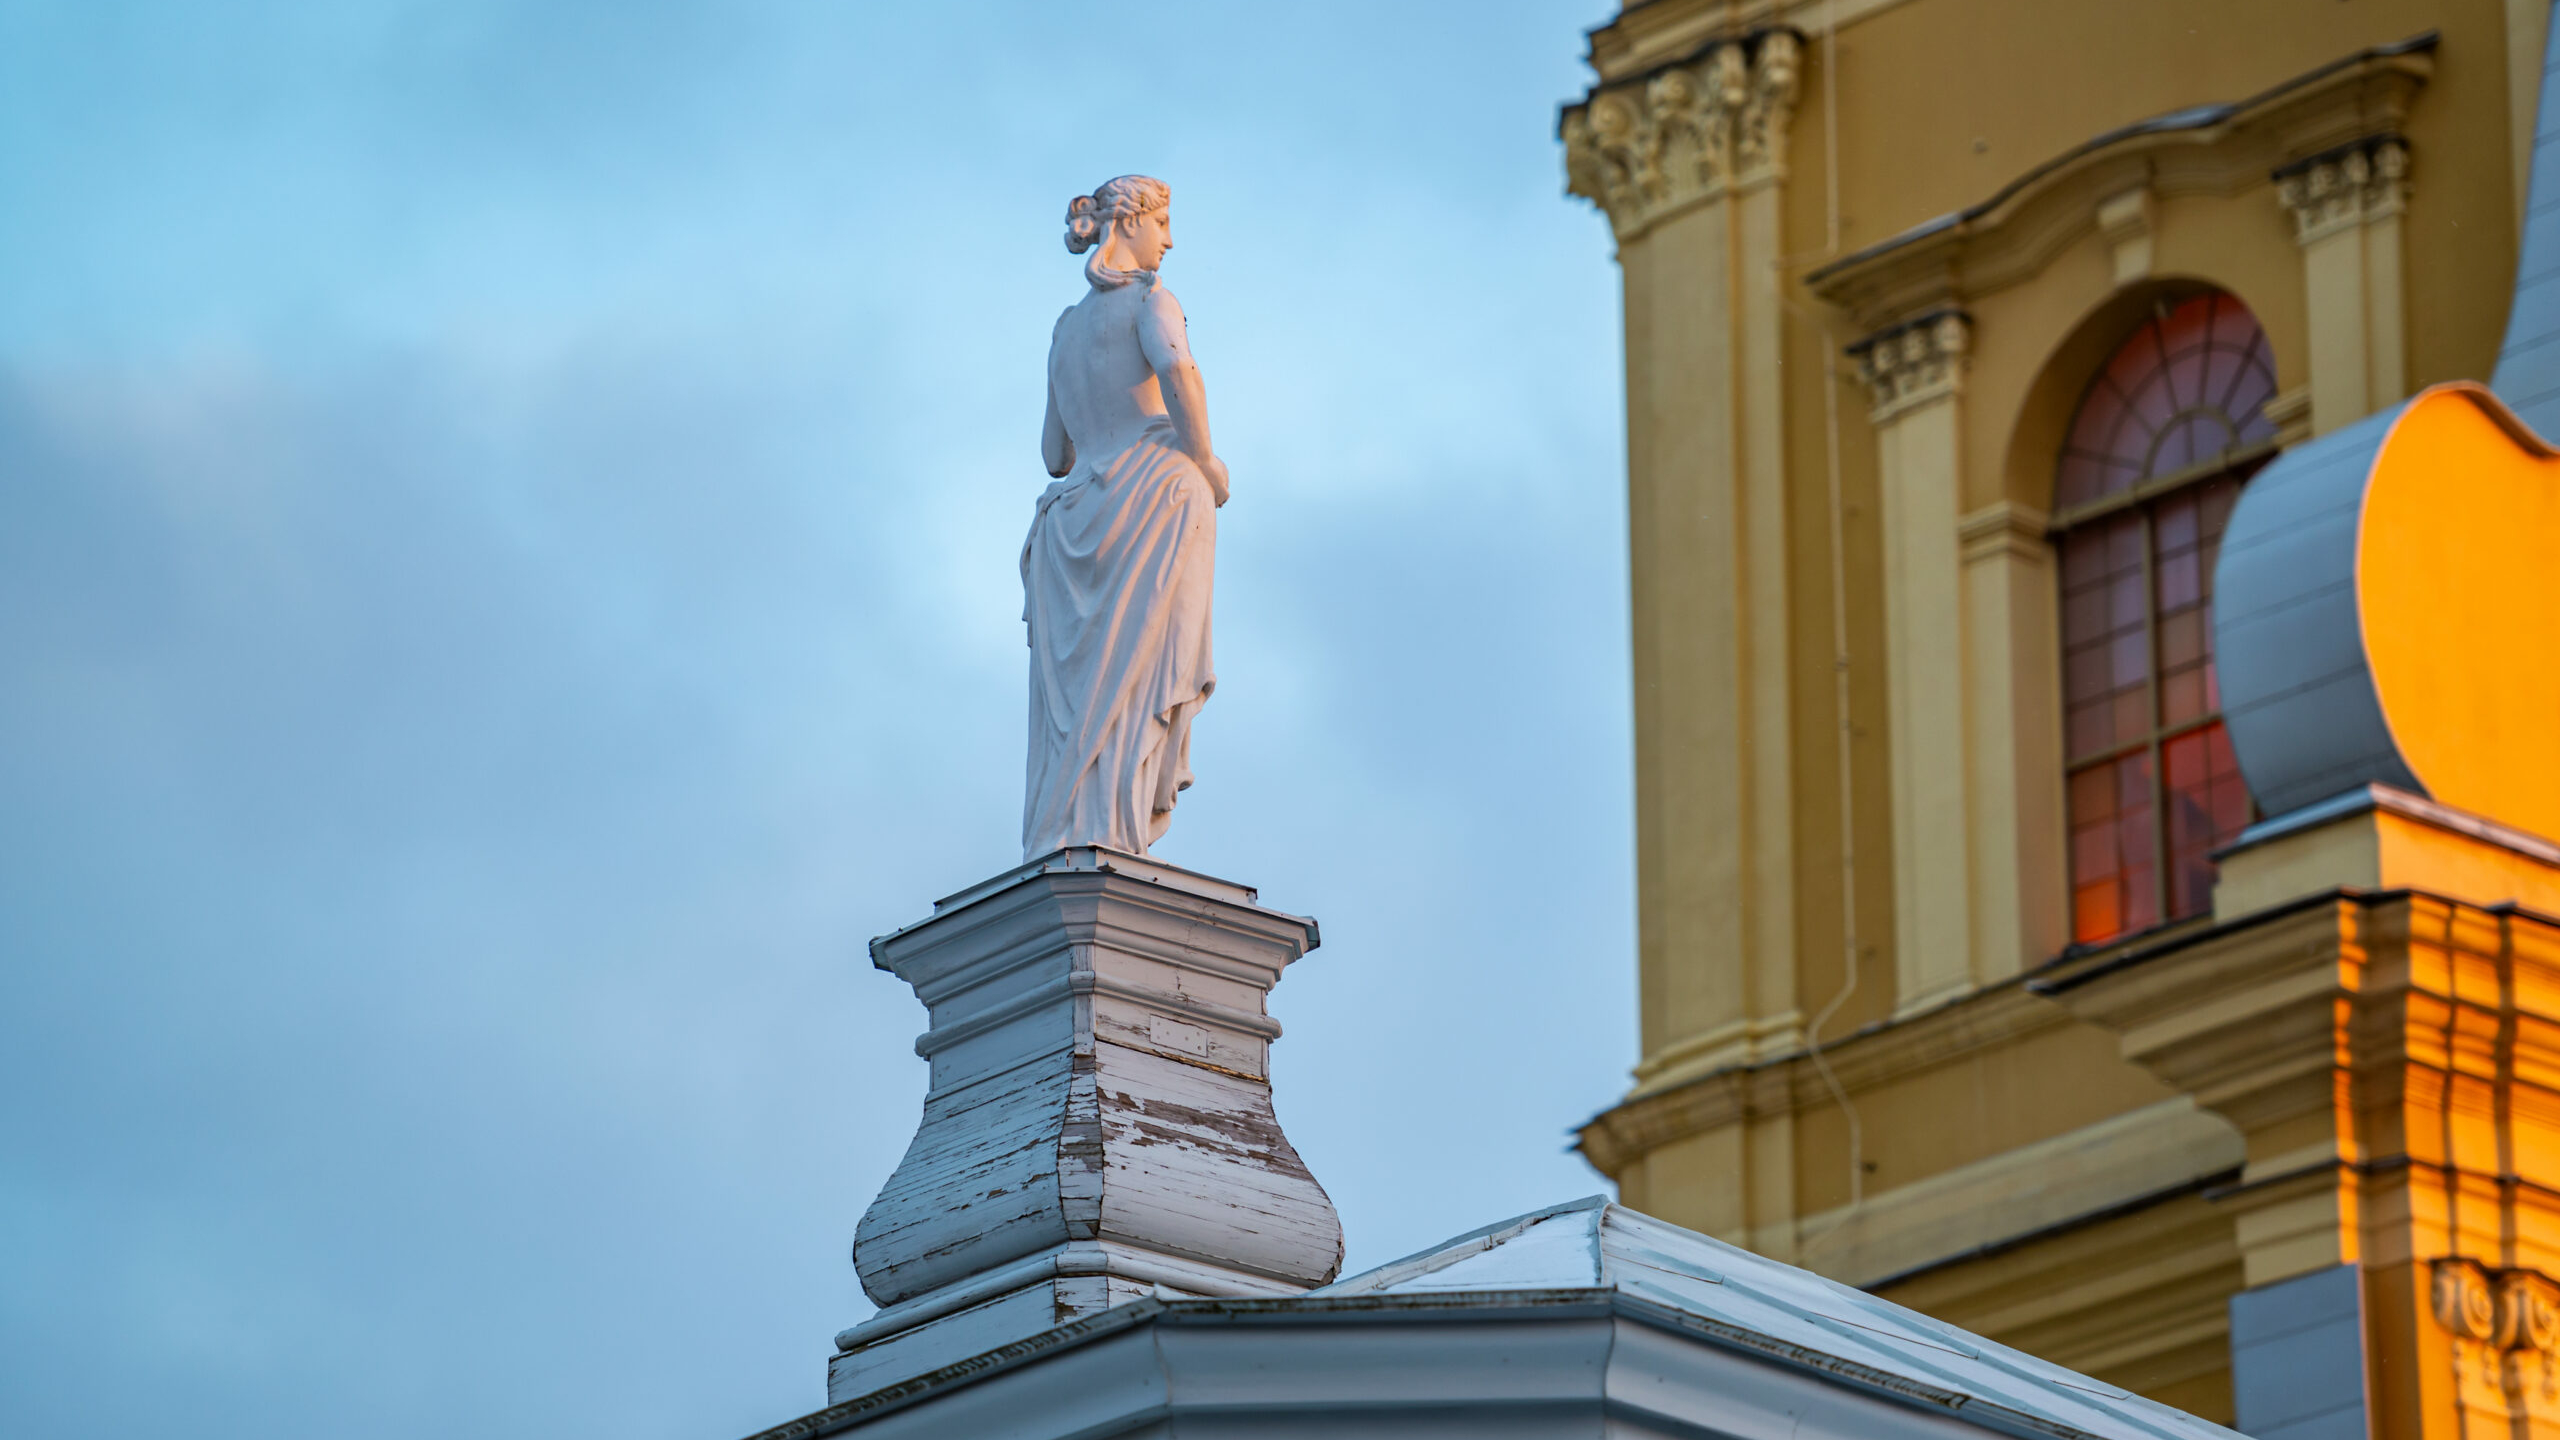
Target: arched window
2156, 453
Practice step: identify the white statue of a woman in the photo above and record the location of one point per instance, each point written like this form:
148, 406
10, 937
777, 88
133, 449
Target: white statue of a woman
1116, 572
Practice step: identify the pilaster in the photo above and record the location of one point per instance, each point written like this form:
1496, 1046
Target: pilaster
2347, 206
2012, 732
1915, 378
1689, 163
1776, 1013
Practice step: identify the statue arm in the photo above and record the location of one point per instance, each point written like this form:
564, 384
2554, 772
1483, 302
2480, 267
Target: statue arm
1057, 450
1163, 337
1057, 447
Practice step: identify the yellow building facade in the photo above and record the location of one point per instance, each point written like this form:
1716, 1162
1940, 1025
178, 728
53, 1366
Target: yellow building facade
1971, 971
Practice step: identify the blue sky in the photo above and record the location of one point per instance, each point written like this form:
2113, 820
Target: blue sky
508, 517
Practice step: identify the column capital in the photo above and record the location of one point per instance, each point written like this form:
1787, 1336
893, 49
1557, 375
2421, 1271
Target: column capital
1776, 74
2345, 187
1645, 149
1914, 362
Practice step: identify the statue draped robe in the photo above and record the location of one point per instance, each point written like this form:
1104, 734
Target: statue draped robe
1115, 593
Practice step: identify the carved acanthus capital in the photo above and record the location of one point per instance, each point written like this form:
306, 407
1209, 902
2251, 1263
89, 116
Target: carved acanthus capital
2345, 187
1915, 362
1776, 73
1644, 150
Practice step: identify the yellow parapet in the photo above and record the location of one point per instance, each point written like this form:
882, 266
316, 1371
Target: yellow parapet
2458, 588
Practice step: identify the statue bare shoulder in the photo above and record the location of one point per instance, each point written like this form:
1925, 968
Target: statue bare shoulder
1164, 332
1164, 336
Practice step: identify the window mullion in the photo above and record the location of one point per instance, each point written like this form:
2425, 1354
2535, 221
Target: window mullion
2110, 756
2151, 721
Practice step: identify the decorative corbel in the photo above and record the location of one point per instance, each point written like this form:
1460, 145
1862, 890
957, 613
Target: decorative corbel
2509, 1310
2465, 1305
2528, 1312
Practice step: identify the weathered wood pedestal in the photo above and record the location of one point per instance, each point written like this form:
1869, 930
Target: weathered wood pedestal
1099, 1127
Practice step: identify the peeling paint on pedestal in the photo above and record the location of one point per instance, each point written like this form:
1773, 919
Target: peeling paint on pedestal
1100, 1124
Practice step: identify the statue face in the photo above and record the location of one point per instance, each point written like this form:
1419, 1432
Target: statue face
1148, 237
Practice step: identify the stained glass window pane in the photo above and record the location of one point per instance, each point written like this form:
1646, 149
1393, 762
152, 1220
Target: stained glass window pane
2192, 384
2208, 806
2153, 788
2111, 849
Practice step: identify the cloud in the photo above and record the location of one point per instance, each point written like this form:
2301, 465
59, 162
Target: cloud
497, 610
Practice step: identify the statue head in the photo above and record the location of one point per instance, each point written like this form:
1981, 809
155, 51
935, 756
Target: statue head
1128, 224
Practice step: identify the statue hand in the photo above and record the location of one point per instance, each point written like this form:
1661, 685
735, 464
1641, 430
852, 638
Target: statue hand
1215, 472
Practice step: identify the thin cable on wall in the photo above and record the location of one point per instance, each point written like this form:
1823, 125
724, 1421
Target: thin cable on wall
1843, 757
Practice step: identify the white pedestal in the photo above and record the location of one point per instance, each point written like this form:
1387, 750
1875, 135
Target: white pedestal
1100, 1122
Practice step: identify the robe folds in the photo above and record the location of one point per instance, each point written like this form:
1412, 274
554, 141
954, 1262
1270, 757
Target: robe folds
1115, 594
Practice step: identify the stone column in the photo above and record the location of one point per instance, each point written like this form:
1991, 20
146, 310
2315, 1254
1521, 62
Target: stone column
1099, 1125
2347, 205
1915, 376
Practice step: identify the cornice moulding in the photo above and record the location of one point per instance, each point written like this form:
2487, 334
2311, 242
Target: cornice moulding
2166, 1148
2238, 957
1657, 32
1791, 1084
2202, 150
2255, 1018
2391, 801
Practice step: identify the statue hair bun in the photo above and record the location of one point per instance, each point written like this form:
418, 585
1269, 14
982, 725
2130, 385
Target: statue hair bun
1082, 228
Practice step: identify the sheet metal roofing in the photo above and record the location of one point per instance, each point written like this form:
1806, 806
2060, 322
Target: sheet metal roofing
1784, 1313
